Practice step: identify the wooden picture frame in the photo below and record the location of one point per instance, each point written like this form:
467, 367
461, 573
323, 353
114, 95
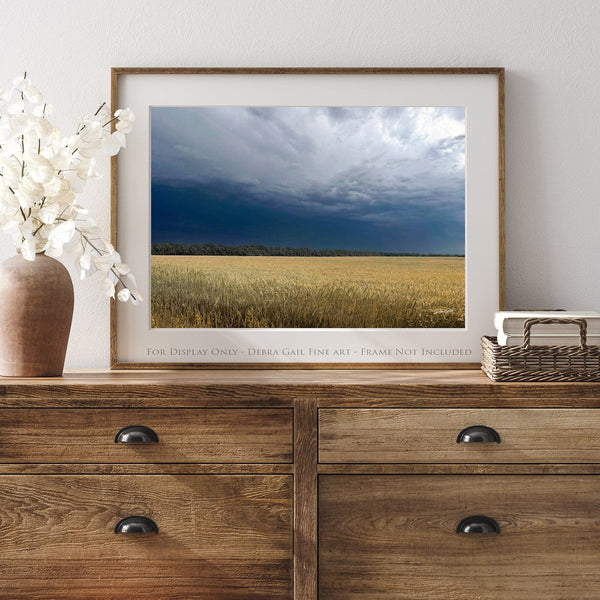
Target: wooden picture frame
479, 91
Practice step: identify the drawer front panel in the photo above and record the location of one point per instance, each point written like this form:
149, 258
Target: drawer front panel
430, 436
394, 537
184, 436
220, 537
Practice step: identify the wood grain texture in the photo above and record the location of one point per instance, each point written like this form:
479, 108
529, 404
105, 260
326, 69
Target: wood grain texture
501, 192
114, 181
307, 70
145, 469
429, 436
338, 388
386, 529
288, 366
394, 537
456, 469
184, 436
305, 499
220, 537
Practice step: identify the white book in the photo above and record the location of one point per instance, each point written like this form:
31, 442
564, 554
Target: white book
547, 340
511, 321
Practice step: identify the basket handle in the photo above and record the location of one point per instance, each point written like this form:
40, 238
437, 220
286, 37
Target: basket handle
529, 323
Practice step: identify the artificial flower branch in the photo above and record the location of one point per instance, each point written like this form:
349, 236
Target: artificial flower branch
41, 172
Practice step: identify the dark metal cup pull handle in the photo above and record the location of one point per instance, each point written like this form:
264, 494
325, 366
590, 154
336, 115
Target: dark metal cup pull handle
136, 525
136, 434
478, 524
478, 434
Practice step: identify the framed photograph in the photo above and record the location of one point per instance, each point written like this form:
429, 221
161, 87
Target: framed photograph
309, 218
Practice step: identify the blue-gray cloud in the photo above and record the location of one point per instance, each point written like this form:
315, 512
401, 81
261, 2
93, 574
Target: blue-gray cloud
392, 167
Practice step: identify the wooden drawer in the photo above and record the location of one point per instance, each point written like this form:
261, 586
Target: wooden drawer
394, 537
221, 537
184, 435
430, 436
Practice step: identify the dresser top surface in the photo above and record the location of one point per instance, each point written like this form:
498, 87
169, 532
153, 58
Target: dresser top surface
258, 387
255, 376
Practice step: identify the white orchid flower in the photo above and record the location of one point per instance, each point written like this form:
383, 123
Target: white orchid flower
122, 268
21, 83
102, 114
108, 288
53, 252
80, 211
125, 118
43, 110
43, 127
112, 143
15, 108
28, 248
137, 298
125, 114
22, 122
61, 234
85, 261
76, 184
86, 167
104, 262
111, 249
29, 192
49, 212
124, 295
6, 131
32, 94
42, 171
53, 187
11, 172
124, 126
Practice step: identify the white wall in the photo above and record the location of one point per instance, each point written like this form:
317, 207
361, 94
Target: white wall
550, 49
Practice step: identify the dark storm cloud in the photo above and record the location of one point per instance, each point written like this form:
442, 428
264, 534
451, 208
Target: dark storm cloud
380, 167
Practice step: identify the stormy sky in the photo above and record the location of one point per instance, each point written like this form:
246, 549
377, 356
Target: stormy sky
365, 178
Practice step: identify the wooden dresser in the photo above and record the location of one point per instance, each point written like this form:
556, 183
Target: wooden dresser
267, 485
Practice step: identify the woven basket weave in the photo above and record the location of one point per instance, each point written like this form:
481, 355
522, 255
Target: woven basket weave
541, 363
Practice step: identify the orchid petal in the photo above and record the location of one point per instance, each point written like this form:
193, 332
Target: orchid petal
28, 248
122, 268
21, 123
136, 298
108, 288
6, 131
124, 295
111, 144
53, 252
124, 126
15, 108
32, 94
48, 213
53, 187
21, 83
41, 170
104, 262
85, 261
43, 110
61, 234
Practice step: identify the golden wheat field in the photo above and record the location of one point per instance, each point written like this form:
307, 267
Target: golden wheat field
278, 291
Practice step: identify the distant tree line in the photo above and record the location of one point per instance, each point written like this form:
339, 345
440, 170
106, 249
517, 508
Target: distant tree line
209, 249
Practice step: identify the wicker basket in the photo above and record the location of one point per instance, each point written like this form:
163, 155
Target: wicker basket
541, 363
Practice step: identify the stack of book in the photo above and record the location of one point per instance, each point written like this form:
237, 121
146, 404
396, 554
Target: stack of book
509, 324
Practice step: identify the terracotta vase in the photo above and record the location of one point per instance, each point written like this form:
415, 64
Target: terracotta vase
36, 309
